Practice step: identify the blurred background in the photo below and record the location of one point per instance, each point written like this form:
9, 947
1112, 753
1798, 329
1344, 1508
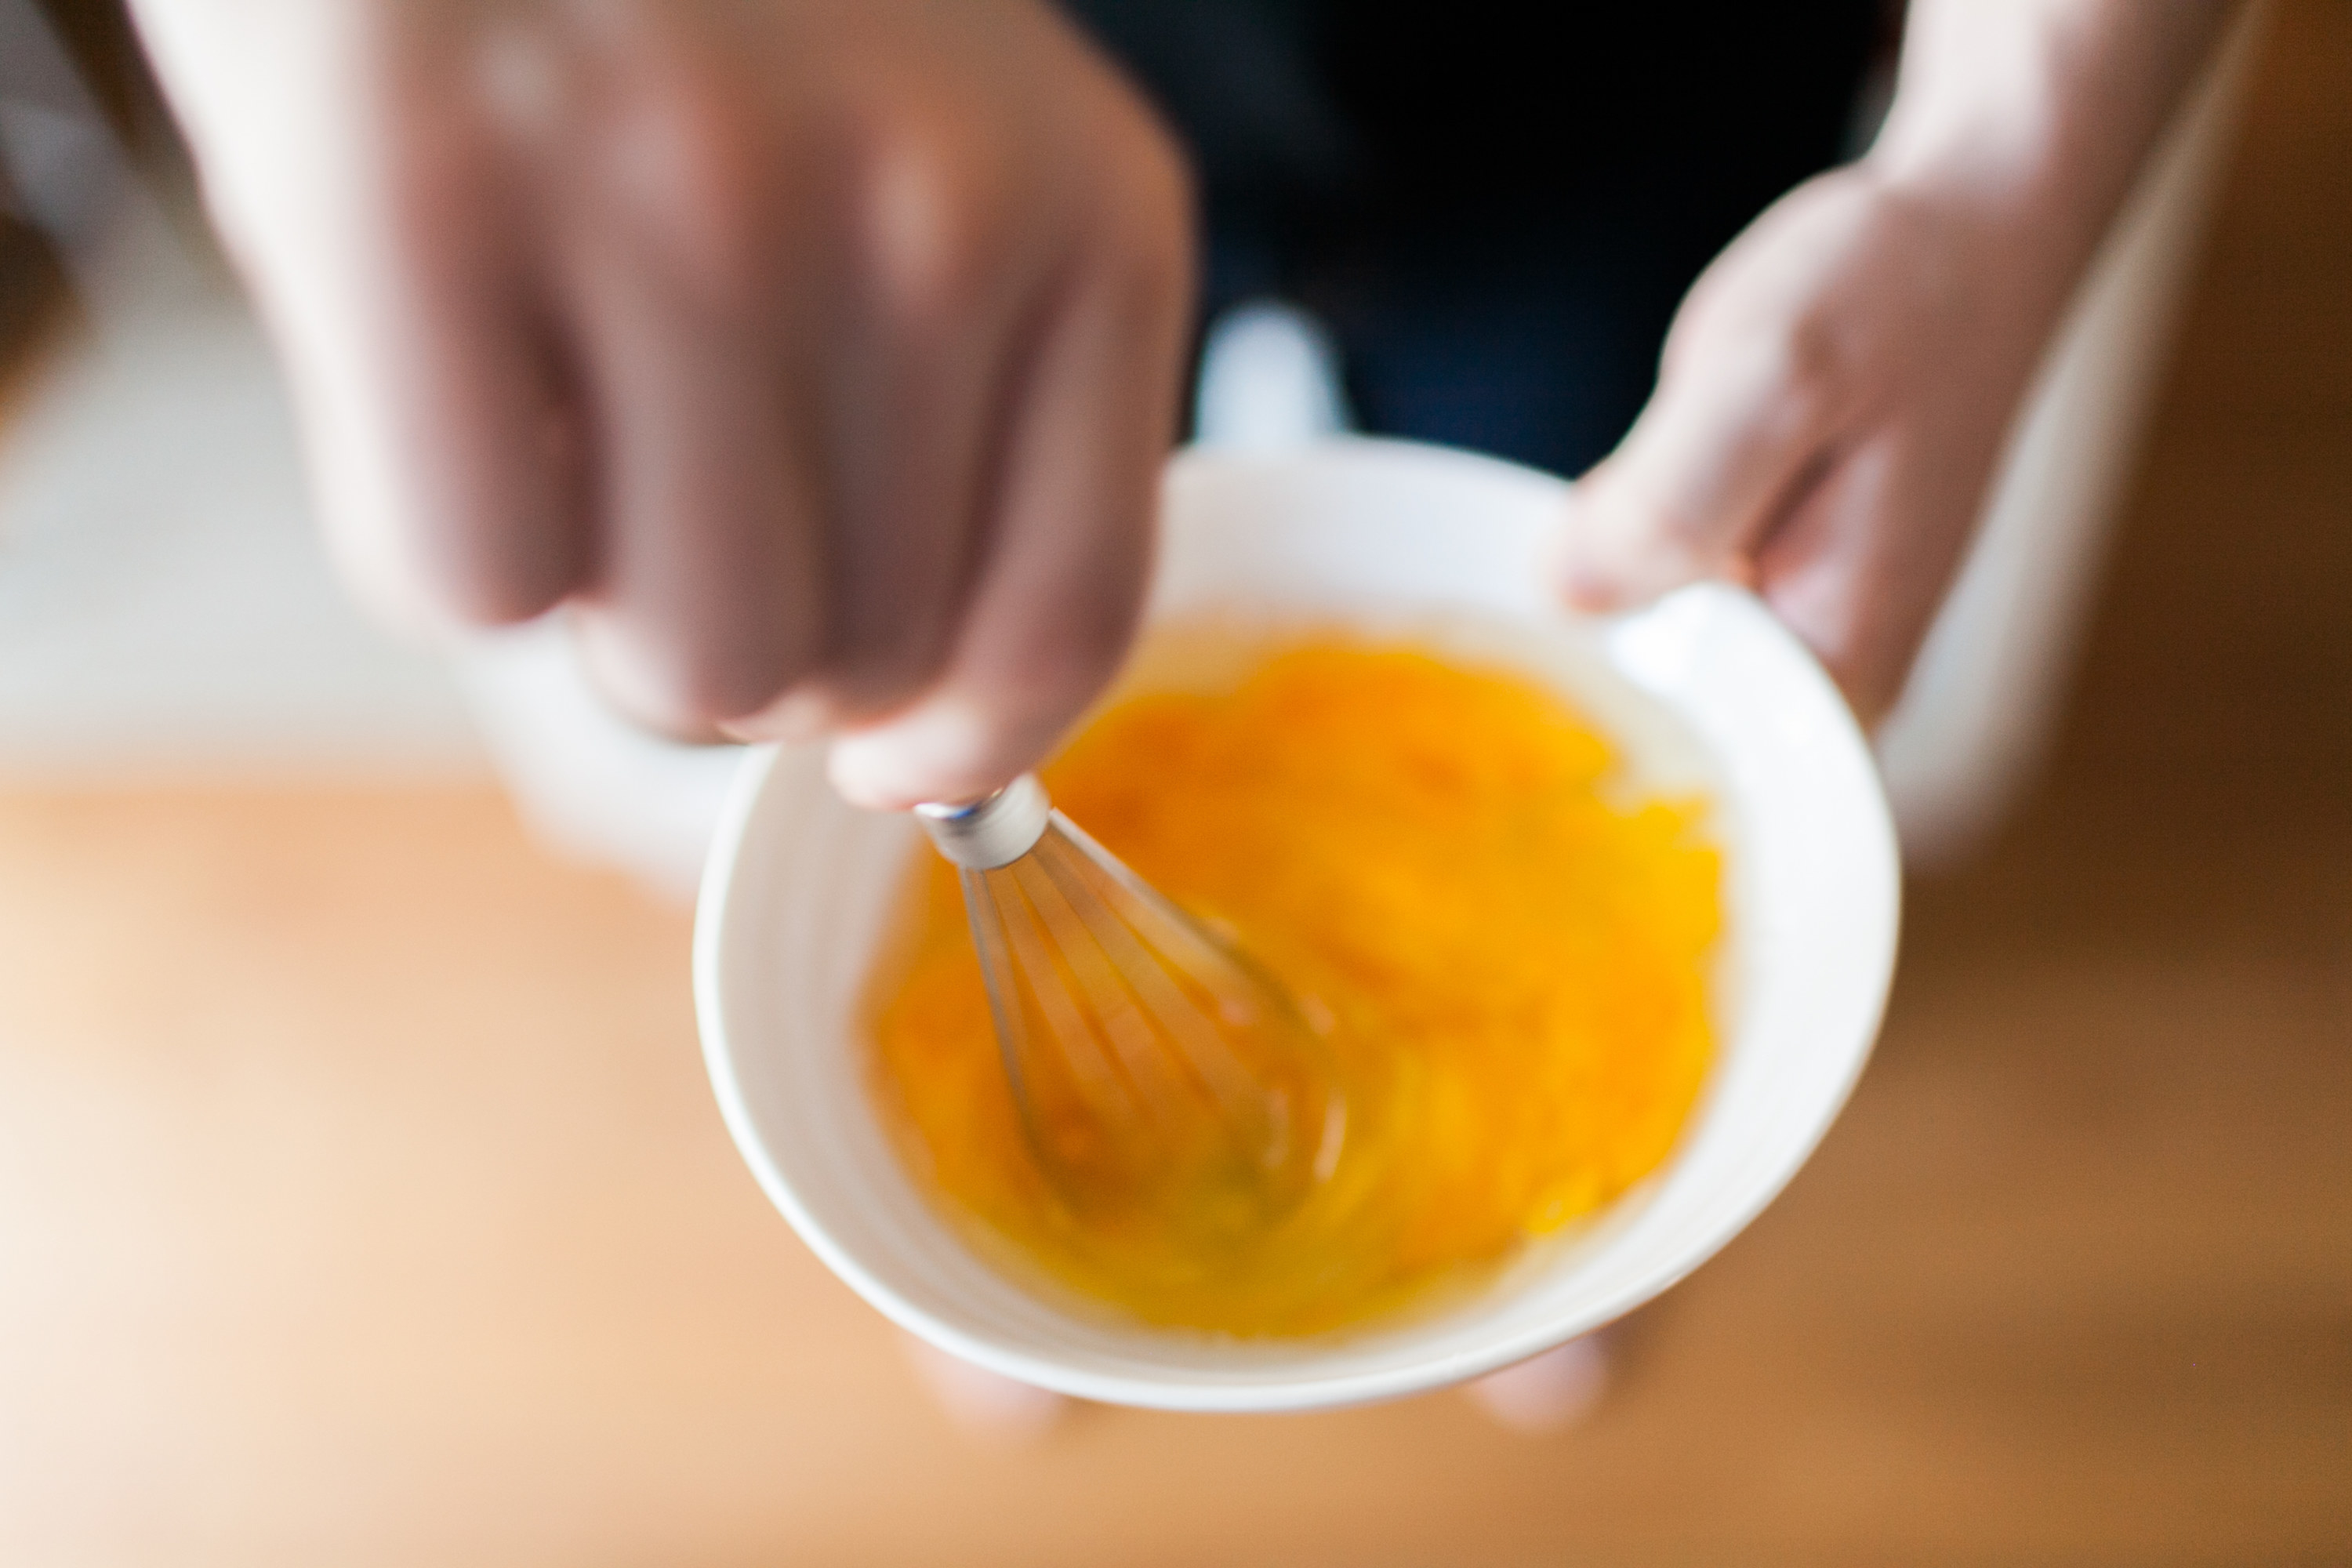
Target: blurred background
361, 1198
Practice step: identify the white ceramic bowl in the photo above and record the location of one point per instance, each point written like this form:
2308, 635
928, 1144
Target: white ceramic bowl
1705, 687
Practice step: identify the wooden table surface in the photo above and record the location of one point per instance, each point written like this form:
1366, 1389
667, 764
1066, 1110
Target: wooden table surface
361, 1200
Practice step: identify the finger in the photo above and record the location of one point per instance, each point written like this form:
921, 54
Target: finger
446, 440
1055, 602
707, 596
1729, 437
1861, 563
923, 364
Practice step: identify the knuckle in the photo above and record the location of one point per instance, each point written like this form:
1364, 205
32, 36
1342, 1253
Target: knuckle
1145, 224
1799, 382
688, 674
1152, 170
695, 683
1810, 352
690, 161
1809, 366
877, 675
940, 218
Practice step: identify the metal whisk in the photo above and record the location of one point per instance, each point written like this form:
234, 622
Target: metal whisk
1162, 1077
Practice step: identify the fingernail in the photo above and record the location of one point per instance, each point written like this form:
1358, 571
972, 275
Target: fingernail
944, 750
1575, 576
795, 718
1547, 1393
1587, 590
1579, 580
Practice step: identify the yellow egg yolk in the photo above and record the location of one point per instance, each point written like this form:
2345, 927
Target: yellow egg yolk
1438, 861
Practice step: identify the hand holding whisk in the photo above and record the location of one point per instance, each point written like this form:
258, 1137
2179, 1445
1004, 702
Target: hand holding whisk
1161, 1077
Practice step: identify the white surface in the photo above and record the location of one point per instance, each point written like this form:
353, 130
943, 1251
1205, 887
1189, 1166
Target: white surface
1389, 535
1269, 380
590, 785
165, 608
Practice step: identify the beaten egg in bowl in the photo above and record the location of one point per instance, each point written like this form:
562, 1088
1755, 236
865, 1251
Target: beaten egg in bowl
1511, 946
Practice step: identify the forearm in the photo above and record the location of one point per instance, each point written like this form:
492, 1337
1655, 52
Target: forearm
2033, 116
1837, 387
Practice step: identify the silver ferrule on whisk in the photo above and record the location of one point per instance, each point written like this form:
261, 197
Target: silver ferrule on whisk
995, 830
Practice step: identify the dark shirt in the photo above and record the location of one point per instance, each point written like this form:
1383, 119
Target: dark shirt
1495, 207
1432, 107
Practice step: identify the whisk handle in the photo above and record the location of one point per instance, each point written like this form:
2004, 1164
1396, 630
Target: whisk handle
994, 830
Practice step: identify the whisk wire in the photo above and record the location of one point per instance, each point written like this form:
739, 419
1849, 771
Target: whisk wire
993, 943
1034, 975
1202, 1057
1194, 952
1109, 1019
1151, 1064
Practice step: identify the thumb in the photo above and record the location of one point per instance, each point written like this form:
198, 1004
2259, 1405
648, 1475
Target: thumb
1731, 437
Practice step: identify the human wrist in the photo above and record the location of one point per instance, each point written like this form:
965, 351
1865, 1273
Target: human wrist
1980, 132
2029, 118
